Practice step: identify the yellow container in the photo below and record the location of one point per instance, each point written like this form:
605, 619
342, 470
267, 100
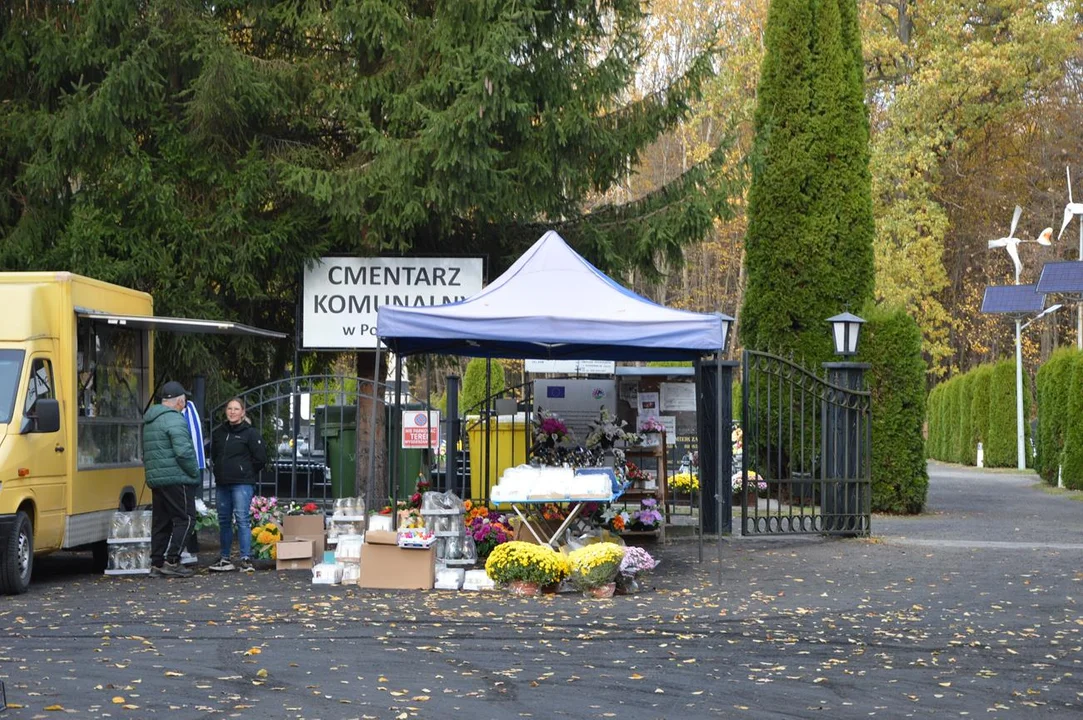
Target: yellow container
509, 440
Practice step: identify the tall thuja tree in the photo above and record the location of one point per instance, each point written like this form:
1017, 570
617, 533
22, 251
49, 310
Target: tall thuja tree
809, 241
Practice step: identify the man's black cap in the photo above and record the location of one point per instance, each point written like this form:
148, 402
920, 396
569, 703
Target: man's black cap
173, 389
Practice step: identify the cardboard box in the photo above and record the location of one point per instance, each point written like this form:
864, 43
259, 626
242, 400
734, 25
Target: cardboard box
381, 537
303, 525
389, 567
318, 544
294, 555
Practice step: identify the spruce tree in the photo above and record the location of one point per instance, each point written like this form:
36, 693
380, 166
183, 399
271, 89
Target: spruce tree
809, 242
205, 151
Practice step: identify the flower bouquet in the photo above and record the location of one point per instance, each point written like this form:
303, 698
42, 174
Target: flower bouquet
264, 510
684, 482
526, 567
755, 482
651, 425
613, 519
309, 508
636, 562
605, 432
595, 568
647, 517
265, 536
549, 431
489, 531
205, 517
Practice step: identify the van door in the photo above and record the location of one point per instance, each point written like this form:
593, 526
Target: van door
46, 461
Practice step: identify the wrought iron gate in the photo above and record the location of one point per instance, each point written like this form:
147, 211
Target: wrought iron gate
805, 449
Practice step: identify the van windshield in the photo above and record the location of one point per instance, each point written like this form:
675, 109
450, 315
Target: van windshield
11, 368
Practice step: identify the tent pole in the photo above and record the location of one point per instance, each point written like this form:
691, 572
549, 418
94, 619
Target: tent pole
371, 485
718, 456
396, 422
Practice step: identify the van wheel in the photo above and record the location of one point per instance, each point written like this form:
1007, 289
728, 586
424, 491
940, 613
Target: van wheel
99, 557
17, 558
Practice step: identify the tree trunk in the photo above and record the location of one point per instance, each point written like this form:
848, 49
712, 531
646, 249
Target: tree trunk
374, 487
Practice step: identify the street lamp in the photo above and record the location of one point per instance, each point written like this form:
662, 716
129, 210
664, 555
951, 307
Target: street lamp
1017, 301
845, 332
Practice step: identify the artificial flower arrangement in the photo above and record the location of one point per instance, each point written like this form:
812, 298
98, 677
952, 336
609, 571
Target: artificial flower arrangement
309, 508
606, 431
551, 441
754, 481
647, 517
684, 482
518, 561
614, 519
633, 472
264, 510
737, 437
265, 536
651, 425
552, 511
595, 565
635, 563
488, 528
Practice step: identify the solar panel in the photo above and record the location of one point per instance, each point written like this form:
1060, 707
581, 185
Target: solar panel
1012, 299
1062, 277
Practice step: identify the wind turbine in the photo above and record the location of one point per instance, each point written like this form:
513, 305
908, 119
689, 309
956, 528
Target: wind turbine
1011, 242
1071, 210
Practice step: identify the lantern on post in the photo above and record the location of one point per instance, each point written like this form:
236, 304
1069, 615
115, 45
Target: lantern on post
845, 332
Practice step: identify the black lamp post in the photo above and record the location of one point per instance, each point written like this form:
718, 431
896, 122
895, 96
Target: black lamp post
843, 500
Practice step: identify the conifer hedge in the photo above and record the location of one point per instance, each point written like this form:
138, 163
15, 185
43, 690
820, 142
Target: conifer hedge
1000, 450
1054, 383
1072, 458
965, 447
979, 407
891, 344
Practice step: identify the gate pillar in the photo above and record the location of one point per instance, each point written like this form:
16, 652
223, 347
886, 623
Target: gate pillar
844, 501
714, 408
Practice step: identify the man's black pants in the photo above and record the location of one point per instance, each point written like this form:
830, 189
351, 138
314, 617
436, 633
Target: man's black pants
173, 518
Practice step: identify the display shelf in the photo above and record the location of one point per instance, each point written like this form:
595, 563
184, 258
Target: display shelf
456, 563
649, 458
127, 541
425, 513
135, 571
348, 518
449, 533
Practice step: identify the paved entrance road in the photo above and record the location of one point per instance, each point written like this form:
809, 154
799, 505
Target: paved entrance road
972, 610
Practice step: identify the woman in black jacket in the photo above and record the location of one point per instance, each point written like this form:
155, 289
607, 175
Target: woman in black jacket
238, 454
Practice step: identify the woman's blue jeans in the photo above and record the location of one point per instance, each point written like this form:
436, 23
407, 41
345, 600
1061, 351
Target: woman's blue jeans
234, 504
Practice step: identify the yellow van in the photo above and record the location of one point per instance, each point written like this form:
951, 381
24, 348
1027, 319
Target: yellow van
76, 375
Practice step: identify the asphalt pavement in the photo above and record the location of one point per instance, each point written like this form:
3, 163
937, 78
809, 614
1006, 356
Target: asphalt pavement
972, 609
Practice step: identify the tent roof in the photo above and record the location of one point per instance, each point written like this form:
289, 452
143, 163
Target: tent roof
552, 304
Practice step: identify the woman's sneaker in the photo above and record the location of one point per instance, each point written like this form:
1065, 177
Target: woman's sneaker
246, 566
223, 565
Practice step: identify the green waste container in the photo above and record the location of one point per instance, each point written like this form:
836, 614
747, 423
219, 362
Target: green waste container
338, 428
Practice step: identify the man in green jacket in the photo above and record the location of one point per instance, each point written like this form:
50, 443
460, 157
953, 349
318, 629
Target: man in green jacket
169, 459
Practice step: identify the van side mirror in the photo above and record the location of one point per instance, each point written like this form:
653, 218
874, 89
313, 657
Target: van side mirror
45, 417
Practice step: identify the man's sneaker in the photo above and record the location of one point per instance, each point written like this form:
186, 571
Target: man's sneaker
223, 565
175, 570
155, 571
246, 566
188, 558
